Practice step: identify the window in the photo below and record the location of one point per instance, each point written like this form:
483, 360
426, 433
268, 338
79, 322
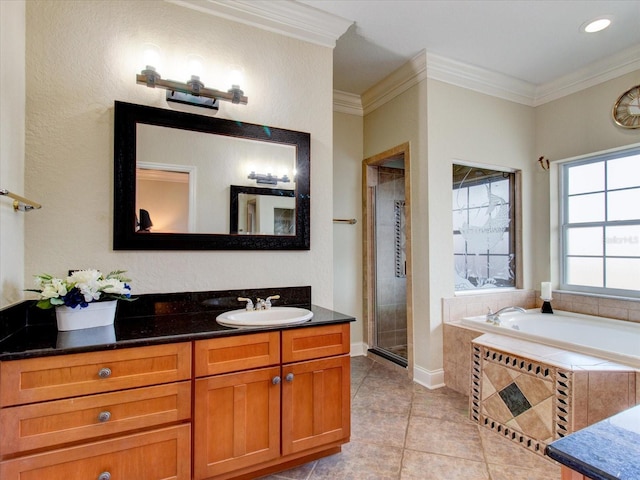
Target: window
600, 223
483, 228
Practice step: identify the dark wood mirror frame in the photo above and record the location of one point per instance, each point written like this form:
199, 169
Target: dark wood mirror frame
128, 115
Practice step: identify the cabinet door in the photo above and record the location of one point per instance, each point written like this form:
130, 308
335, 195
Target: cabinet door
316, 403
236, 421
157, 455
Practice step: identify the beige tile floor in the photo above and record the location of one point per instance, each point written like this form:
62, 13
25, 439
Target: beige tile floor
403, 431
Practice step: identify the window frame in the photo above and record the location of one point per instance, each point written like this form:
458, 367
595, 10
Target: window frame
564, 226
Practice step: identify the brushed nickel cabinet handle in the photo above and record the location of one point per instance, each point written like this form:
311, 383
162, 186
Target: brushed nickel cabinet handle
276, 380
104, 372
104, 416
289, 377
104, 476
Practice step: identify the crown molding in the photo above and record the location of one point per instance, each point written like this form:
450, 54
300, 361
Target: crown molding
285, 17
429, 65
593, 74
398, 82
480, 79
349, 103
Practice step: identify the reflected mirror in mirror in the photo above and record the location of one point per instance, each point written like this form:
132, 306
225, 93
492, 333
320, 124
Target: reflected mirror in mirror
262, 211
173, 180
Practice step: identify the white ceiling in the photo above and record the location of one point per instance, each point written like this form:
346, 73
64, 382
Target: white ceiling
535, 41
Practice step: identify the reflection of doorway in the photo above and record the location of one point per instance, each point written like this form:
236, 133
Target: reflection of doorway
167, 193
387, 266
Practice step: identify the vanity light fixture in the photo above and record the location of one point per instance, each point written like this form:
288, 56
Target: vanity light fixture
193, 92
268, 179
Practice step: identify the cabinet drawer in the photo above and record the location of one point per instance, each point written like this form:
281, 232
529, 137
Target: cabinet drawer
315, 342
232, 354
160, 454
52, 378
30, 427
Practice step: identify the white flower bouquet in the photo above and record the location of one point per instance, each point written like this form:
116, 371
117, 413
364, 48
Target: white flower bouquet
81, 288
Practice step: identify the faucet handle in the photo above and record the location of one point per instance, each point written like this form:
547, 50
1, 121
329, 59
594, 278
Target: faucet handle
249, 305
267, 302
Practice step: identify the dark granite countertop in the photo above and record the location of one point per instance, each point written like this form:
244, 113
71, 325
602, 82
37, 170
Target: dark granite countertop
150, 320
607, 450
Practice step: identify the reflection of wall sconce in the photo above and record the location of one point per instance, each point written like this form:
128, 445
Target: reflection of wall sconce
193, 92
145, 222
268, 178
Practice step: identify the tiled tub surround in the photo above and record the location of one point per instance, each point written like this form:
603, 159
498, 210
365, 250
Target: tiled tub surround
592, 388
457, 338
534, 394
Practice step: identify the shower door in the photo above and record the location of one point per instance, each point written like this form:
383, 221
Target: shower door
387, 269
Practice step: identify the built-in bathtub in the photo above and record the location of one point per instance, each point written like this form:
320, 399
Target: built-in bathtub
538, 377
615, 340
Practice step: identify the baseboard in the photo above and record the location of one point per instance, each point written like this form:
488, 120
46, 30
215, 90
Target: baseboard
359, 349
431, 379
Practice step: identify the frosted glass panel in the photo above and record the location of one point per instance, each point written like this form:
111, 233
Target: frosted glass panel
623, 204
623, 172
584, 271
586, 178
586, 208
483, 228
623, 273
624, 241
585, 241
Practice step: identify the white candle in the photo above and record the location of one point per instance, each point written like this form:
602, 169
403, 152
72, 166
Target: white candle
545, 290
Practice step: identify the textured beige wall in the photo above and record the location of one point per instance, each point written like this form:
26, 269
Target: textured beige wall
12, 131
81, 56
574, 125
347, 203
466, 126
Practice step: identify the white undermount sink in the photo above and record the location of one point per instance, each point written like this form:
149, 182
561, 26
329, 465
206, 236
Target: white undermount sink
272, 317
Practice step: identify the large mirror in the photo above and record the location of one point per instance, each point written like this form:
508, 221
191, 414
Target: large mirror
179, 176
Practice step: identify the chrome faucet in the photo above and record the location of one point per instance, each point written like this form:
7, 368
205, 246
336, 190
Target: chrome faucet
249, 306
494, 318
267, 302
260, 303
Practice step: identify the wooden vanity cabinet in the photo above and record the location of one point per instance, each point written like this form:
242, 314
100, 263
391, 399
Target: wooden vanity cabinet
274, 410
120, 413
236, 407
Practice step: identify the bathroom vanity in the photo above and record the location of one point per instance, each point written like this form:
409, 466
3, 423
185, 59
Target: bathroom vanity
175, 396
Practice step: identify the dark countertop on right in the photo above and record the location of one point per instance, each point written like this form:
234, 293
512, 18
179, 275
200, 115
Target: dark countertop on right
607, 450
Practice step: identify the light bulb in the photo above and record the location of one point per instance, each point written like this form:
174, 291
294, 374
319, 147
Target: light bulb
195, 65
235, 76
151, 55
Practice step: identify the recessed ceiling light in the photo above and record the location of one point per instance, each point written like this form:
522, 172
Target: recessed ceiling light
596, 25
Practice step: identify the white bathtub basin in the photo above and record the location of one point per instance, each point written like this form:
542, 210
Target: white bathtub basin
615, 340
265, 318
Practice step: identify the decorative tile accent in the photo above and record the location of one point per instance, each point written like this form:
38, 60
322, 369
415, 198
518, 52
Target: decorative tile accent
513, 398
516, 397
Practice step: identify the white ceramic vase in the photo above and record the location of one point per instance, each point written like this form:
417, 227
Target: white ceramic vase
96, 314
